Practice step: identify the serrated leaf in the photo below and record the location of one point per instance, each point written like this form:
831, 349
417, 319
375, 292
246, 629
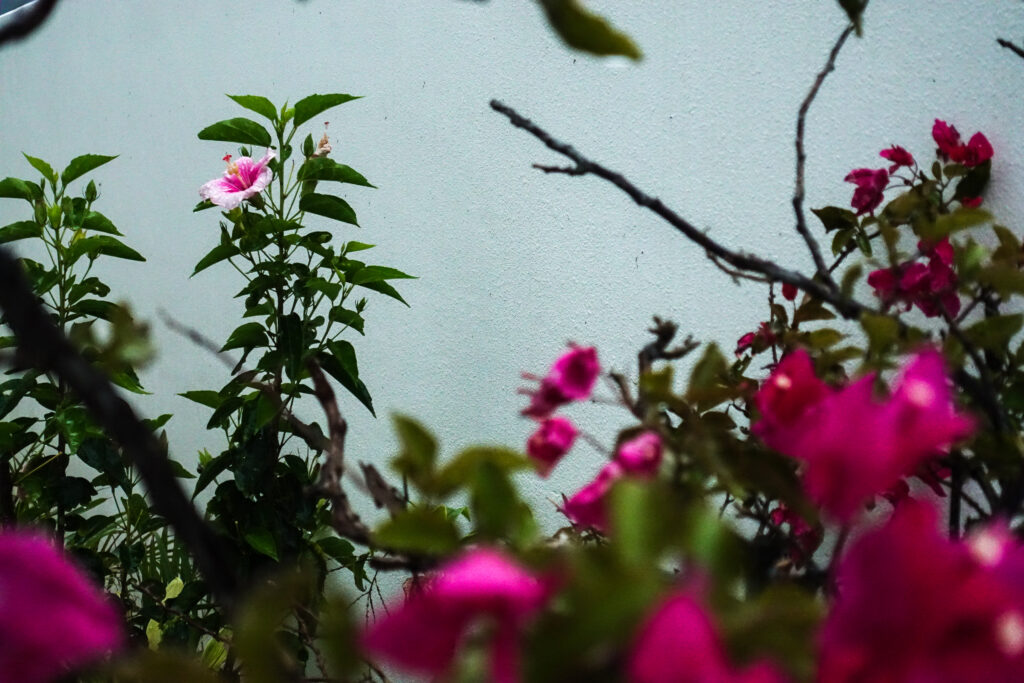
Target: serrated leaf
42, 167
20, 231
329, 206
102, 244
219, 253
584, 30
79, 166
308, 107
324, 168
257, 103
241, 130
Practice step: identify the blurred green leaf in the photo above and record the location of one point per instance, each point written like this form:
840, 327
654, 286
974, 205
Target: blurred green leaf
418, 453
835, 218
421, 531
994, 334
583, 30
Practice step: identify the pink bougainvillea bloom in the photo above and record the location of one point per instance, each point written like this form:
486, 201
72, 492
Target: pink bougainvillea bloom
757, 340
871, 184
678, 643
745, 342
898, 156
789, 291
931, 287
552, 440
52, 618
977, 151
785, 397
806, 538
970, 202
242, 179
423, 633
588, 507
641, 455
946, 138
914, 606
571, 378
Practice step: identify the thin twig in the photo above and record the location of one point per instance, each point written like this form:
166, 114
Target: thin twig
1010, 46
801, 158
846, 306
26, 21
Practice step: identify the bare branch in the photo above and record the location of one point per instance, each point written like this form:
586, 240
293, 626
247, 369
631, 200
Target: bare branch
1012, 47
42, 344
846, 307
801, 158
26, 20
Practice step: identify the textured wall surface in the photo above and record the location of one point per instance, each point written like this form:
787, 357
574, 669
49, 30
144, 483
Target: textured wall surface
512, 263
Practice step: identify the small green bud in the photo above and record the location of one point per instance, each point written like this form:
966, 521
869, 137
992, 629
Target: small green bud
40, 212
53, 213
90, 192
360, 305
307, 147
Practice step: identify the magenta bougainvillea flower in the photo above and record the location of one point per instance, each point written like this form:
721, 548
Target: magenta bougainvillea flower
853, 446
931, 287
871, 184
588, 507
806, 538
51, 616
423, 633
898, 156
915, 606
679, 644
552, 440
241, 180
756, 340
641, 455
977, 151
571, 378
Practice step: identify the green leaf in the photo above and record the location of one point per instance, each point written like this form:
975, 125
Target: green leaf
329, 206
418, 453
836, 218
20, 231
79, 166
583, 30
293, 345
812, 309
707, 375
262, 541
308, 107
219, 253
241, 130
377, 274
961, 219
174, 588
347, 317
421, 531
246, 336
994, 334
42, 167
102, 244
323, 168
257, 103
214, 468
384, 288
204, 397
95, 308
824, 338
340, 363
97, 222
338, 549
357, 246
463, 468
1003, 278
154, 634
882, 331
16, 188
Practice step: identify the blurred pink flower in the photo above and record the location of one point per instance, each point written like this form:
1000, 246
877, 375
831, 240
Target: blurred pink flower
52, 618
914, 606
679, 644
242, 179
571, 378
898, 156
641, 455
588, 507
931, 287
947, 138
552, 440
853, 446
871, 184
977, 151
789, 291
423, 633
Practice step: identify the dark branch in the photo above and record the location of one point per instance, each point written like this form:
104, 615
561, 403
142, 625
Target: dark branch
801, 158
846, 307
24, 22
1010, 46
42, 344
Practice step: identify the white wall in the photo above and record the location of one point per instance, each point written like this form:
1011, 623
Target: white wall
512, 263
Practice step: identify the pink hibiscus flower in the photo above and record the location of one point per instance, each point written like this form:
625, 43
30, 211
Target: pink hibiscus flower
242, 179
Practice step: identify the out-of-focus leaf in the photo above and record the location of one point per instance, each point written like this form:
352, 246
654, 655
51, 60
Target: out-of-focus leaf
994, 334
421, 531
583, 30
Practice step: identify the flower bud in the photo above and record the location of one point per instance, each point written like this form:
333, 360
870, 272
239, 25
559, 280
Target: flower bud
307, 146
90, 192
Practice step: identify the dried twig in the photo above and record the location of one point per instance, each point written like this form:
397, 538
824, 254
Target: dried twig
801, 158
1012, 47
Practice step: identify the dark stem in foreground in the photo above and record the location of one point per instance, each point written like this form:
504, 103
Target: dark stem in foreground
26, 21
